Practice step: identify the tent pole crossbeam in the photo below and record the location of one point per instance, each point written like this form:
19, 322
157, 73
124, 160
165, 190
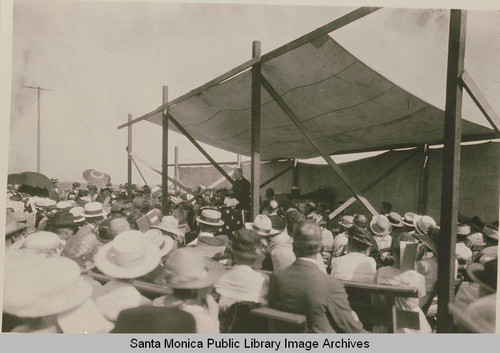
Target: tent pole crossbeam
376, 181
480, 100
277, 175
198, 147
451, 168
291, 115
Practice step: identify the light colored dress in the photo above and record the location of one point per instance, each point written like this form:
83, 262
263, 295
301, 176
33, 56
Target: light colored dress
354, 267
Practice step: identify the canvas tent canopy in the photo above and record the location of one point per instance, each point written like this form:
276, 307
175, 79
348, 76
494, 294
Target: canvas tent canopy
344, 104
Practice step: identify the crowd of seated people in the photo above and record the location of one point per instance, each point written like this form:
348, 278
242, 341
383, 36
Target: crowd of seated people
209, 259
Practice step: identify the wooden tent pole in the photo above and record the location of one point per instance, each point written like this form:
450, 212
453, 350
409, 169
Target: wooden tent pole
176, 166
451, 168
255, 132
164, 158
291, 115
129, 162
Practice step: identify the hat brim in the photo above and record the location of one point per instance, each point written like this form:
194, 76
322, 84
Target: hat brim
397, 225
379, 233
408, 224
102, 214
474, 271
218, 224
272, 233
215, 270
172, 230
57, 303
428, 241
167, 246
346, 225
151, 261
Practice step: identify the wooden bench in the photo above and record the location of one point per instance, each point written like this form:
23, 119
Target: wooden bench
281, 321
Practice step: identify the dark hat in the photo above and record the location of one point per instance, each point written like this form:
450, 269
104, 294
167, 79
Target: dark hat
485, 275
477, 223
153, 319
63, 219
360, 220
76, 184
395, 219
360, 235
277, 222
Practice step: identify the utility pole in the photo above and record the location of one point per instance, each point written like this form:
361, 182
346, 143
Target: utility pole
39, 89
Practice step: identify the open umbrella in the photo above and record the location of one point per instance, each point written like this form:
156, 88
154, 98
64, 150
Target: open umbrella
97, 178
35, 184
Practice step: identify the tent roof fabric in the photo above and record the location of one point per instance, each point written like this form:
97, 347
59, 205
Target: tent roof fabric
343, 103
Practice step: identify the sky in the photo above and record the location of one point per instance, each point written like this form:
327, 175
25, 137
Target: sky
104, 61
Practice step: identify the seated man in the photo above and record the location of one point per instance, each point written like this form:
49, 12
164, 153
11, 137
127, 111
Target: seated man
356, 265
302, 288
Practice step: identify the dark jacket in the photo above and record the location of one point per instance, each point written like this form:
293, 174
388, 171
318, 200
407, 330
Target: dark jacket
241, 192
303, 289
152, 319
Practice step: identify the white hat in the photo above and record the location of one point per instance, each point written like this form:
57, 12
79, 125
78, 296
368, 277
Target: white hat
163, 242
347, 221
65, 205
230, 202
169, 224
263, 226
128, 255
37, 286
409, 218
84, 319
380, 225
424, 224
210, 217
43, 242
44, 202
78, 213
116, 296
93, 209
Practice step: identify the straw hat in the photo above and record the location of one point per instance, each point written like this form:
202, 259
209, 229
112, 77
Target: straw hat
346, 221
210, 217
395, 219
169, 224
37, 286
78, 214
263, 226
65, 205
93, 209
129, 255
380, 225
187, 268
44, 202
463, 230
43, 242
163, 242
424, 224
409, 218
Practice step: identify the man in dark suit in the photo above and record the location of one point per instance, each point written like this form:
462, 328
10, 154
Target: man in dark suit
153, 319
302, 288
241, 190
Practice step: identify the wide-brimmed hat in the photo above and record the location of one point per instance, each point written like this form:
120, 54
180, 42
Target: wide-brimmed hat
409, 218
346, 221
82, 248
78, 214
44, 202
491, 231
93, 209
37, 286
65, 205
485, 275
169, 224
431, 240
423, 224
360, 235
380, 225
210, 217
12, 225
128, 255
463, 230
43, 242
188, 268
263, 226
164, 243
395, 219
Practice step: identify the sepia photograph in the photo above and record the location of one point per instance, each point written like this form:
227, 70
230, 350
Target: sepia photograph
237, 168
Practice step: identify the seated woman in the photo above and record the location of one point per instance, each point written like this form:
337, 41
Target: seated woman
396, 276
356, 265
242, 283
191, 277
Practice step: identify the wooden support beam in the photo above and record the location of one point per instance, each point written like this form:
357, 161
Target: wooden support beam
295, 178
176, 166
451, 168
478, 97
129, 162
423, 178
198, 147
255, 132
291, 115
164, 158
194, 92
329, 27
370, 186
137, 167
276, 176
